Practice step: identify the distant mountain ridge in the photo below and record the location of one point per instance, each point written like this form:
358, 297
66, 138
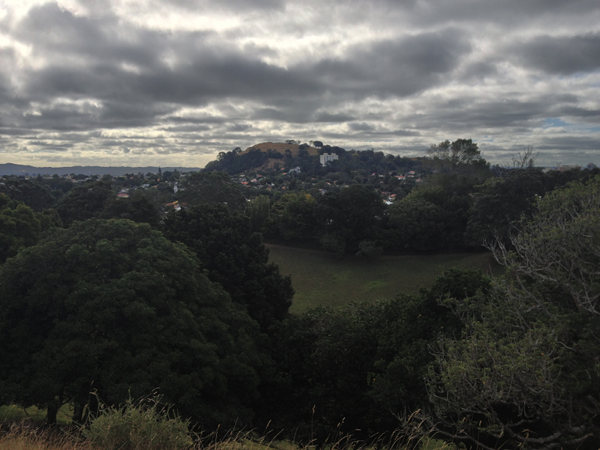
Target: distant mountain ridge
24, 170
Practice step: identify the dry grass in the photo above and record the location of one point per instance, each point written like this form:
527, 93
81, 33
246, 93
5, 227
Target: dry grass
23, 436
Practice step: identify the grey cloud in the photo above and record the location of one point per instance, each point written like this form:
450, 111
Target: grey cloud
225, 5
194, 120
209, 70
400, 67
562, 55
569, 142
58, 33
589, 115
239, 127
360, 126
508, 12
332, 117
473, 113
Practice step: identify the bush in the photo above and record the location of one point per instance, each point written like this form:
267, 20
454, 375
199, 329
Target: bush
145, 424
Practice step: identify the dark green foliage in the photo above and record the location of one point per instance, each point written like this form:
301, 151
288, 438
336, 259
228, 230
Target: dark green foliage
363, 366
407, 328
235, 257
37, 193
433, 216
137, 208
499, 202
294, 217
84, 201
211, 187
349, 216
258, 211
20, 226
115, 307
323, 359
461, 152
526, 372
235, 162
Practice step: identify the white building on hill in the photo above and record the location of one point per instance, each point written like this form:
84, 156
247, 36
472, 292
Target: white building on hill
327, 157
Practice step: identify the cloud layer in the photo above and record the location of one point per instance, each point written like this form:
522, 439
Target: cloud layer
124, 82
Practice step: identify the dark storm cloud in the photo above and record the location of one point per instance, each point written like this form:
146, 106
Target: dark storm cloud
332, 117
589, 115
501, 12
515, 110
194, 120
563, 55
361, 126
569, 143
59, 34
399, 67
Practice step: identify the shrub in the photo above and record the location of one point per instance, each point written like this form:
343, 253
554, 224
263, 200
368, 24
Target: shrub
145, 424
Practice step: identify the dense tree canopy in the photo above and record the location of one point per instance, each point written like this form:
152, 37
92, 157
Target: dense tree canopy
235, 257
136, 207
526, 372
84, 201
211, 187
20, 226
348, 217
457, 153
115, 307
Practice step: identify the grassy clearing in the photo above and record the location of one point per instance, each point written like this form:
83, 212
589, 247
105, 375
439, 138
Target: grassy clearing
322, 279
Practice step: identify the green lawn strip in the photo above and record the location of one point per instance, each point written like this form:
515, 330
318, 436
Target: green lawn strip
322, 279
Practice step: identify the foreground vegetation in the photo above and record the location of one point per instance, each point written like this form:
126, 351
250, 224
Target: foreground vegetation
108, 300
147, 424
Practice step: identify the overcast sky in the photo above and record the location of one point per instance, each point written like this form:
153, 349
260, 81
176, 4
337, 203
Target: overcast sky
173, 82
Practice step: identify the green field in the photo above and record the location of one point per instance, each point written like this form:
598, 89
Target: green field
322, 279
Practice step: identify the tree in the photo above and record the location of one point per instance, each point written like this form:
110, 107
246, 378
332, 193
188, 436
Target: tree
37, 193
432, 216
137, 208
526, 372
20, 226
235, 257
349, 216
211, 187
324, 381
500, 202
84, 201
294, 217
461, 152
114, 307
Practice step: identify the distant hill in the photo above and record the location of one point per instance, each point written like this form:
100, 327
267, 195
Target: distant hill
282, 147
24, 170
270, 156
265, 156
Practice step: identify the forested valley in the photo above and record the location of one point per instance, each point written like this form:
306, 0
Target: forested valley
159, 285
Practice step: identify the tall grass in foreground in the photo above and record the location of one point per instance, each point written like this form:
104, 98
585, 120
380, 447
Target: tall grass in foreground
149, 425
30, 439
23, 437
